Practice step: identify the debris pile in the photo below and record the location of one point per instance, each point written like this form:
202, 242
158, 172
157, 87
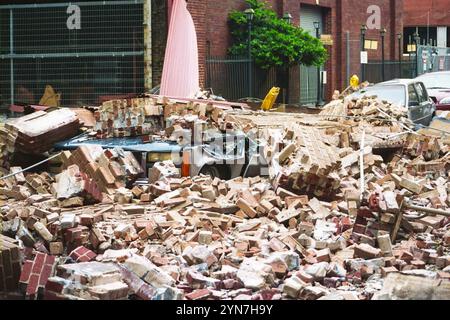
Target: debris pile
36, 133
334, 220
125, 118
103, 170
86, 281
305, 164
10, 265
155, 117
3, 149
89, 175
369, 109
206, 238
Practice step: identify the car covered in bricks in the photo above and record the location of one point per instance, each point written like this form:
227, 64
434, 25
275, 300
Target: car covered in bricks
408, 93
223, 155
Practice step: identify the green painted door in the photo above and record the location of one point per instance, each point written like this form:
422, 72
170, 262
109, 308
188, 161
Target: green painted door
308, 75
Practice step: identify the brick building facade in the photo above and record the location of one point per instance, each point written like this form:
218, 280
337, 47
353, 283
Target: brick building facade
430, 18
339, 17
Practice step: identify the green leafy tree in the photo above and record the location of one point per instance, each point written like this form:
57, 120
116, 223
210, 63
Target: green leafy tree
275, 42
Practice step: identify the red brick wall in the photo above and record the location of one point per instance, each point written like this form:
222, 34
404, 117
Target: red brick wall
211, 21
197, 8
159, 39
416, 12
353, 15
340, 16
218, 35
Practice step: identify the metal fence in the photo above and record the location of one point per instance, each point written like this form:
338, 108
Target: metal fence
40, 45
229, 78
392, 70
428, 59
432, 59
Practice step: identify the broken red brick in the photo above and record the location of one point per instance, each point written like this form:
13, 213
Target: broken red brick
35, 273
82, 254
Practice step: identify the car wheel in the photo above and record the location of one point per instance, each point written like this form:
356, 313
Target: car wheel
220, 172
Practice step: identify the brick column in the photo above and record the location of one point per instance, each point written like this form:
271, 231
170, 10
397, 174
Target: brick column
159, 39
148, 82
197, 8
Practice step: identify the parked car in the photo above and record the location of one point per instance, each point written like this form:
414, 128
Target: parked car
438, 87
208, 94
225, 156
404, 92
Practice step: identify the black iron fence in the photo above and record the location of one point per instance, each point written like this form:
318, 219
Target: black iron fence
392, 70
229, 78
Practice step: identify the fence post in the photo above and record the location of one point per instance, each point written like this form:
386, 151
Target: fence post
383, 34
417, 40
400, 51
347, 36
11, 52
363, 48
148, 79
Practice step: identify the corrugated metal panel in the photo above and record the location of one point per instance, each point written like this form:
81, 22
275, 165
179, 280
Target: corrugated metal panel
309, 15
308, 75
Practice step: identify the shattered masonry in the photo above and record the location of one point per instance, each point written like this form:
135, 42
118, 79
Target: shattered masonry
308, 231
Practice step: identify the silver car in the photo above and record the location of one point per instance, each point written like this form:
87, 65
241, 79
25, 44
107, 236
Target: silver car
404, 92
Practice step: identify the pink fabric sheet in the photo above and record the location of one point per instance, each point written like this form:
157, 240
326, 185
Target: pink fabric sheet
180, 76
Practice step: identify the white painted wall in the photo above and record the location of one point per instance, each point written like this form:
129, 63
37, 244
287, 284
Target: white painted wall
442, 37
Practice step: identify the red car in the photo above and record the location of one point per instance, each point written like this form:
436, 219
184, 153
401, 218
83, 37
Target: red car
438, 87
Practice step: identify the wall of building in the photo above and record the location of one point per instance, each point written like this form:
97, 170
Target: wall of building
211, 21
351, 15
416, 13
198, 10
430, 19
339, 16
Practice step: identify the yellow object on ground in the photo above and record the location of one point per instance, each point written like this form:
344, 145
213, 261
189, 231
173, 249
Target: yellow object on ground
354, 81
50, 98
270, 99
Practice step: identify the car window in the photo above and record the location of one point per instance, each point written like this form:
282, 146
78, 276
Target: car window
412, 95
421, 92
394, 94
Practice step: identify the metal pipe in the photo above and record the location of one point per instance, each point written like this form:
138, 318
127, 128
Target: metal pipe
400, 51
363, 48
427, 210
73, 55
30, 167
319, 77
249, 48
417, 41
347, 35
11, 51
383, 74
